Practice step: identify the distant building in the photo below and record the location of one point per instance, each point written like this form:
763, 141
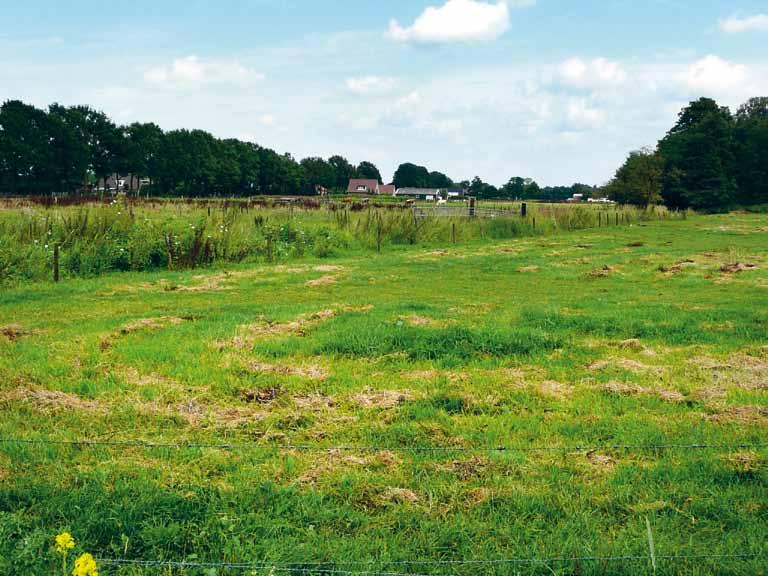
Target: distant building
121, 184
453, 194
364, 186
431, 194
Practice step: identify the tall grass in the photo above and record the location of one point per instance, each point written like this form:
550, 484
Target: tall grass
121, 236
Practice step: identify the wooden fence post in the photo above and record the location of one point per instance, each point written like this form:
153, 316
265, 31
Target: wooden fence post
56, 262
453, 232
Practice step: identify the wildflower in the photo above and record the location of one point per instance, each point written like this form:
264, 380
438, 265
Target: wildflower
64, 542
85, 566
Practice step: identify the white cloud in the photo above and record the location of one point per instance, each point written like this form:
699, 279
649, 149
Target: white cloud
736, 24
455, 21
582, 114
598, 72
712, 74
192, 71
370, 85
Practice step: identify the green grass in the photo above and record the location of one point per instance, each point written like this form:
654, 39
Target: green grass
146, 235
605, 336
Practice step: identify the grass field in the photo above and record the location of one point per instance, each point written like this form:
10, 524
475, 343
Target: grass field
363, 398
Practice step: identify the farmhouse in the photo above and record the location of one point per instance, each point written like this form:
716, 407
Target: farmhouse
363, 186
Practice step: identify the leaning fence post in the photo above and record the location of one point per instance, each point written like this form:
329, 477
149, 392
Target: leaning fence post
56, 262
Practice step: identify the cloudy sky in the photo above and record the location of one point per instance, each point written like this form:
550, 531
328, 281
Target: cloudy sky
558, 90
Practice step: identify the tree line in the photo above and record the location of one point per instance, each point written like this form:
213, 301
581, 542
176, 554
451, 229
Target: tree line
76, 149
413, 176
710, 160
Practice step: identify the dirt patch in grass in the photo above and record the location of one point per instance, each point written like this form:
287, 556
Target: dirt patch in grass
326, 280
314, 402
206, 283
603, 272
142, 325
13, 332
634, 345
528, 269
627, 389
381, 398
432, 374
737, 267
136, 379
416, 320
199, 415
745, 414
623, 364
600, 461
746, 462
393, 495
308, 372
738, 371
474, 467
52, 400
325, 268
677, 267
264, 328
555, 389
351, 308
260, 395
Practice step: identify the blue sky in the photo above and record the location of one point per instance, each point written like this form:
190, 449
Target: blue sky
558, 90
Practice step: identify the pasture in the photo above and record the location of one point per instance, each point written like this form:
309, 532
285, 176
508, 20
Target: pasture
525, 402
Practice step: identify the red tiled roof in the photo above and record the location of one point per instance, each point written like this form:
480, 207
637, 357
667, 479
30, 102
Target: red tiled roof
371, 186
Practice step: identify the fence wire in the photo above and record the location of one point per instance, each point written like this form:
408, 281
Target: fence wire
376, 448
253, 446
327, 567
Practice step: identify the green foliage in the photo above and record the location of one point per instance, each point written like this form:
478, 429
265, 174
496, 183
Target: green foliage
698, 155
639, 180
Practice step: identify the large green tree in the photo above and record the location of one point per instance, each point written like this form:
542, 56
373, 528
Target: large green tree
639, 180
144, 143
698, 157
318, 172
28, 157
752, 152
343, 171
411, 176
369, 171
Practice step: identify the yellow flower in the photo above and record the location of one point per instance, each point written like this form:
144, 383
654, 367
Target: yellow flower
64, 542
85, 566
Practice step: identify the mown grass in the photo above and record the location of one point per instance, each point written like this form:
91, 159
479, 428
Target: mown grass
588, 338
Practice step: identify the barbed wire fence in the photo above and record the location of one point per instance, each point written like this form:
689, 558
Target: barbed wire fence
256, 446
446, 567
